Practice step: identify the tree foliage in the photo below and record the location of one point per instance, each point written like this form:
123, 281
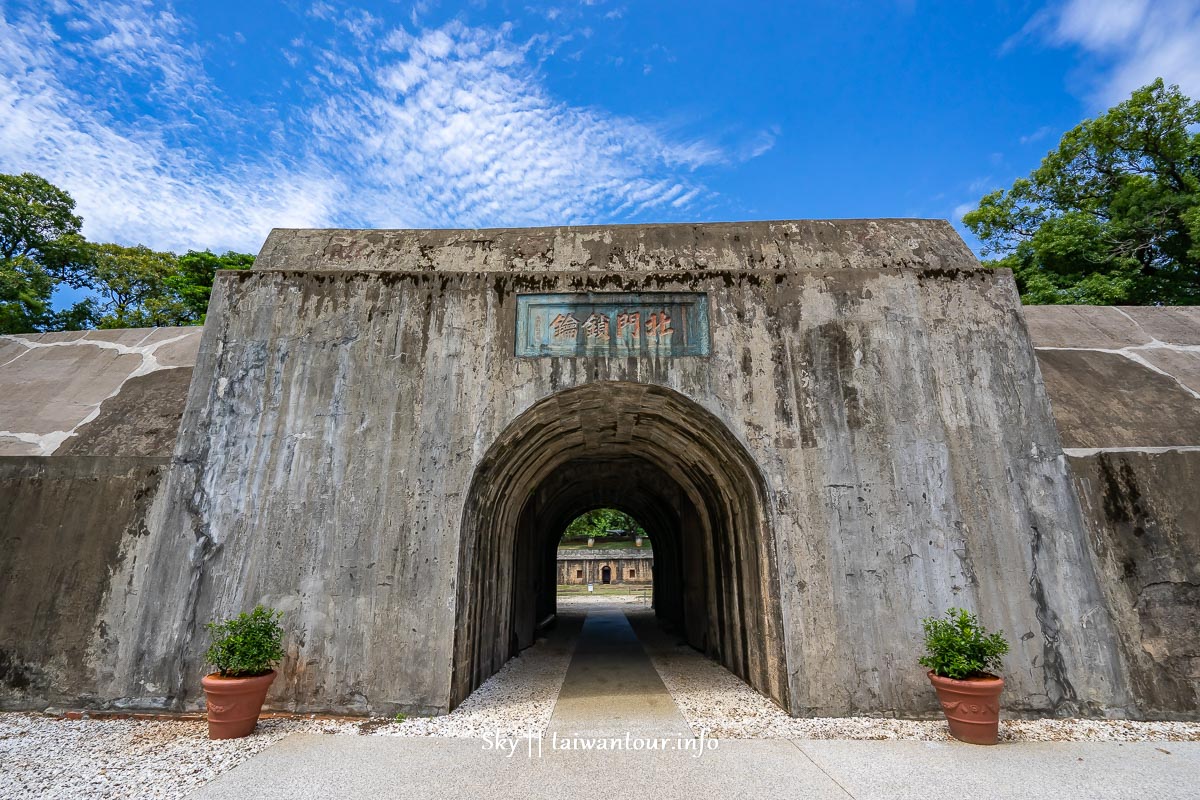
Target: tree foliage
192, 280
598, 522
41, 249
1112, 216
131, 284
39, 243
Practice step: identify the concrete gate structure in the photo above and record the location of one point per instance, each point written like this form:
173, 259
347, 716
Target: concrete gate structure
830, 429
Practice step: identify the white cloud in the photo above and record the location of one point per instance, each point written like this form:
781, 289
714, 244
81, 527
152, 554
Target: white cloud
129, 185
684, 199
1136, 40
1099, 24
455, 127
1038, 135
761, 143
980, 185
444, 127
137, 37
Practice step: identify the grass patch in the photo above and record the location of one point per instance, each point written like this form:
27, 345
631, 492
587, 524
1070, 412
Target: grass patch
631, 591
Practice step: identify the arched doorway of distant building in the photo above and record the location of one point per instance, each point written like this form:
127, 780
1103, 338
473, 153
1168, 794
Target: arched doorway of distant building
606, 574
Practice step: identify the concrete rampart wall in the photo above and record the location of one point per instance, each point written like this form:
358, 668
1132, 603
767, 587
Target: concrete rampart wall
65, 523
888, 395
88, 420
1143, 510
102, 393
884, 387
1125, 387
1120, 377
718, 246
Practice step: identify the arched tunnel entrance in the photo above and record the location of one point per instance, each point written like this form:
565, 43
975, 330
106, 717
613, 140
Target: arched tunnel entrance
664, 460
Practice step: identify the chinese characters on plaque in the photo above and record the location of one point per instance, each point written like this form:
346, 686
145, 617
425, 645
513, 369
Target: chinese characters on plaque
651, 324
596, 328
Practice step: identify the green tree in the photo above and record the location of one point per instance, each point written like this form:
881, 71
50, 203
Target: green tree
137, 287
132, 290
600, 521
40, 246
193, 278
1112, 216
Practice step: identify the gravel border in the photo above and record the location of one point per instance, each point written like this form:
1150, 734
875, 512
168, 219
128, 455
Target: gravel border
97, 758
47, 756
716, 701
517, 701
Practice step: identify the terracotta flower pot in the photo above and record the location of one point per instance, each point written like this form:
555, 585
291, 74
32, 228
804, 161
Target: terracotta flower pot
234, 703
972, 707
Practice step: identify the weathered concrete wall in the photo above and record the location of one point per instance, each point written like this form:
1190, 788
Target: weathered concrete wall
735, 246
1144, 513
64, 523
102, 393
1120, 377
1125, 387
88, 420
884, 385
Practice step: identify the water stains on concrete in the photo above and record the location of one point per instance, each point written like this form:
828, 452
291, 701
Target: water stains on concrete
869, 442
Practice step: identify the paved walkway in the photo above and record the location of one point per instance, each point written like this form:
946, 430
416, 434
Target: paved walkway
319, 767
611, 688
637, 745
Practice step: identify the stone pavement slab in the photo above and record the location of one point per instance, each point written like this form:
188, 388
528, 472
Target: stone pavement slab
321, 766
1019, 770
316, 766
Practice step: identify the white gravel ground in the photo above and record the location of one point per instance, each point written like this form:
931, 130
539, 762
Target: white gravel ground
49, 757
45, 757
715, 700
518, 700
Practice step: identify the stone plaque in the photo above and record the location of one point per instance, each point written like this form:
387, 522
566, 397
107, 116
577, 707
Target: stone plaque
613, 324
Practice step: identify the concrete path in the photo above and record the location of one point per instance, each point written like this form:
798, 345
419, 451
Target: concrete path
311, 766
611, 688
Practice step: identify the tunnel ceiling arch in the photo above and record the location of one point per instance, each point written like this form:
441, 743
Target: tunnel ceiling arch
674, 466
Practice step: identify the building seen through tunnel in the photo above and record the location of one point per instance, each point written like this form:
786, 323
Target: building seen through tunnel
633, 568
590, 552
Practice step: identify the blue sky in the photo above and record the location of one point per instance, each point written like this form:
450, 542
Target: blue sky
203, 125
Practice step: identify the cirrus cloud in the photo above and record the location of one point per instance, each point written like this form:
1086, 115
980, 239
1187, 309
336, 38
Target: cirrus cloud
379, 126
1132, 42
